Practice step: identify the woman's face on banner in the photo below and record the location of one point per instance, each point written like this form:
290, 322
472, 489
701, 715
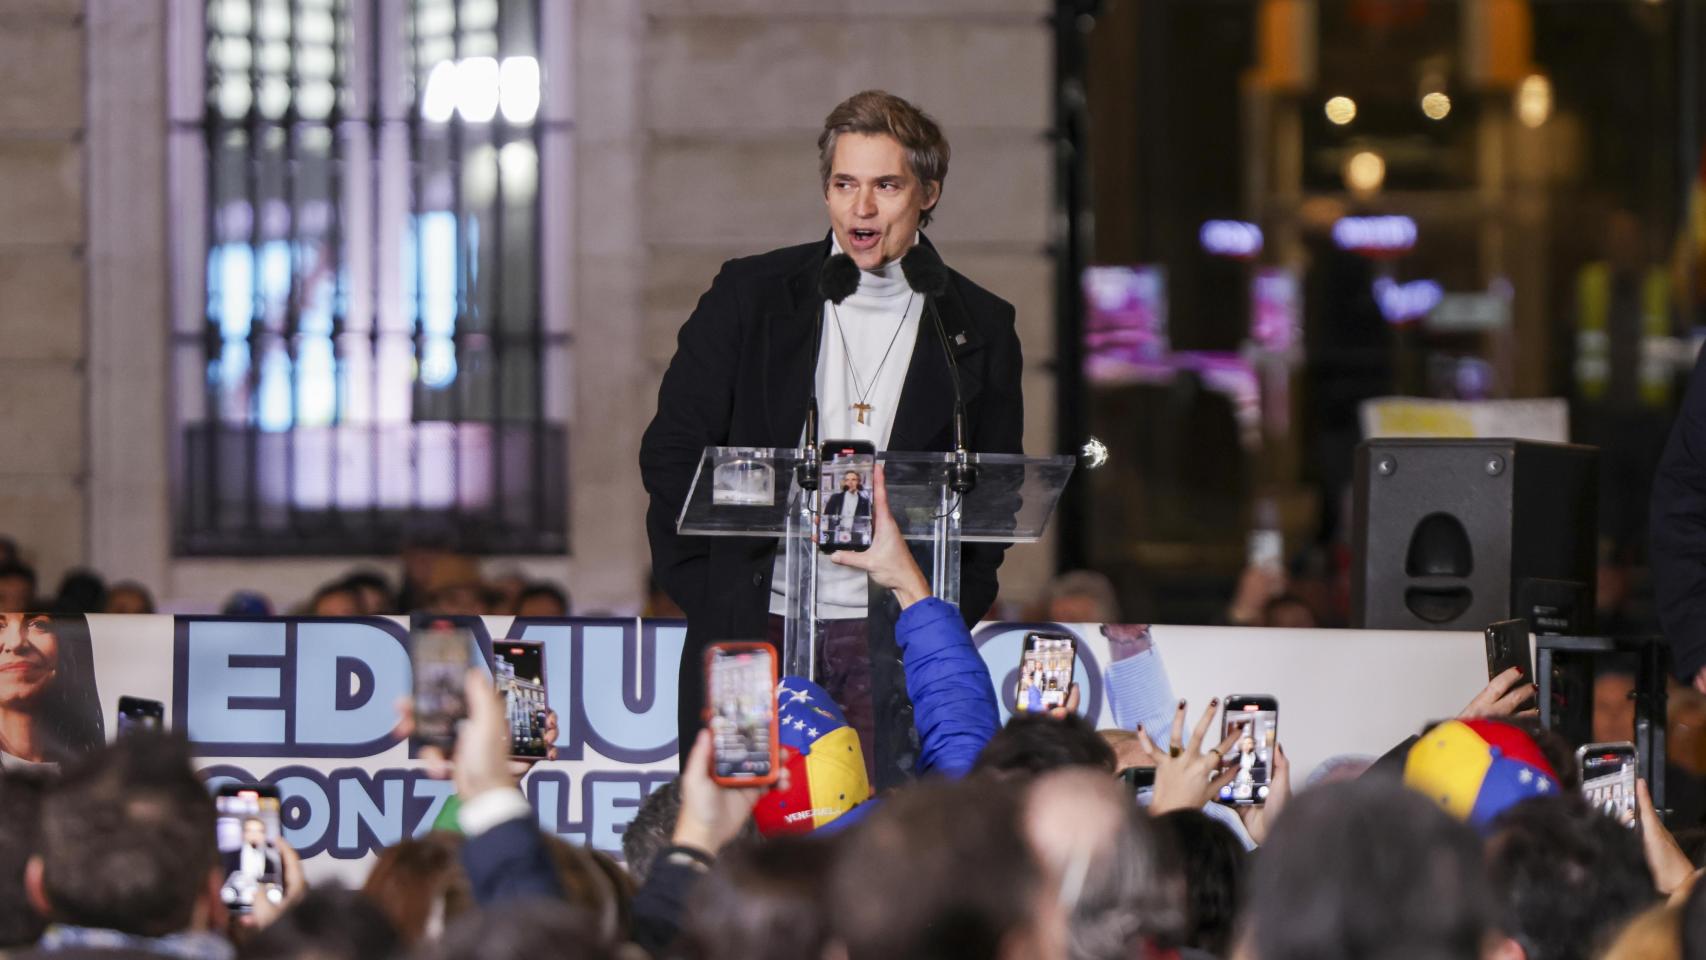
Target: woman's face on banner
29, 657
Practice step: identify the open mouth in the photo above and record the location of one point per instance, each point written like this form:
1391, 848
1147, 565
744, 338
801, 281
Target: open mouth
864, 238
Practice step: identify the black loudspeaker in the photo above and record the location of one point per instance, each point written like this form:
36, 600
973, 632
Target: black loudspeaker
1458, 534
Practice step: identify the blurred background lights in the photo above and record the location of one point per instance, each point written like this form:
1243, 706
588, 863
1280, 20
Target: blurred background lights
1341, 110
478, 87
1534, 100
1436, 105
1365, 171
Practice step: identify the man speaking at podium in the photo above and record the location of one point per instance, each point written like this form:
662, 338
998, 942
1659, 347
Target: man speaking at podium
744, 371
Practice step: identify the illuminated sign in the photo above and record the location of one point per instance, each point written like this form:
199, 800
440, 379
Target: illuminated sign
1231, 238
1375, 235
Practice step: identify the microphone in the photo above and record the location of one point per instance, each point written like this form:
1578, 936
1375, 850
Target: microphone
926, 273
836, 281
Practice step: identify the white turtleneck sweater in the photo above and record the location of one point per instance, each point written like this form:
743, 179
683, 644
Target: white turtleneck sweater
883, 310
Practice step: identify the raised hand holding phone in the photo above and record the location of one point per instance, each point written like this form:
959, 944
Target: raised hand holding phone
888, 560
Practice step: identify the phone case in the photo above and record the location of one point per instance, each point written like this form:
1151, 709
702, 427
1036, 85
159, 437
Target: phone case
775, 746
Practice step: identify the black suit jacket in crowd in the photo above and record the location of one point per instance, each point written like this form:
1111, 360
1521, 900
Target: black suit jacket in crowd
742, 376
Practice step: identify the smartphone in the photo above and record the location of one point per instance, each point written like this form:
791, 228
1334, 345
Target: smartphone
1256, 717
740, 698
1608, 779
247, 831
439, 654
1045, 672
1507, 647
137, 715
519, 669
1266, 550
844, 495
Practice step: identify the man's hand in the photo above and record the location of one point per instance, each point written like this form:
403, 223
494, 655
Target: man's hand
1503, 696
710, 815
887, 560
482, 743
1259, 819
1185, 777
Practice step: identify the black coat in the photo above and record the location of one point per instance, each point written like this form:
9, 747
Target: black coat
1678, 532
742, 376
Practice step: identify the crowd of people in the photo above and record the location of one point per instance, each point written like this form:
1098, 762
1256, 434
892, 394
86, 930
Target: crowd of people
1470, 840
435, 579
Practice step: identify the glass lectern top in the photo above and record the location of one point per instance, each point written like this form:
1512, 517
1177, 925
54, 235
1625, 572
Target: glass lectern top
743, 491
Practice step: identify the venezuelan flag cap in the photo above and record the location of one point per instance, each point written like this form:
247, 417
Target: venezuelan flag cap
824, 763
1474, 769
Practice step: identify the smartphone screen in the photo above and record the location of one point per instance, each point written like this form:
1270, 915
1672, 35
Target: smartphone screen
1608, 779
741, 697
439, 654
519, 668
1256, 718
1045, 672
247, 832
844, 495
136, 715
1266, 550
1507, 647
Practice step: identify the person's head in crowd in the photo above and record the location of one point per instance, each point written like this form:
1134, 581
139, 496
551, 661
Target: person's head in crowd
128, 596
594, 884
528, 929
762, 901
1367, 869
455, 587
1035, 743
1288, 610
127, 843
1338, 768
20, 814
942, 871
1566, 877
17, 588
1476, 769
541, 599
420, 886
1103, 857
373, 592
328, 923
1082, 596
1653, 935
1213, 862
246, 603
80, 591
1614, 698
503, 592
336, 599
1693, 920
651, 830
50, 711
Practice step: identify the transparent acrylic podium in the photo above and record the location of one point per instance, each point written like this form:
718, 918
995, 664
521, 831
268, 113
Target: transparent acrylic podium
751, 492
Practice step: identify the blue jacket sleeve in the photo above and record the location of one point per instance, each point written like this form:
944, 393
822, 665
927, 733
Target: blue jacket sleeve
510, 862
953, 699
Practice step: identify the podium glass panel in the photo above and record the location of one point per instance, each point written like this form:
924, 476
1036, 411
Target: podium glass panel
752, 492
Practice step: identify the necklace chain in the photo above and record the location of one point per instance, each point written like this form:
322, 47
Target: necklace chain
864, 391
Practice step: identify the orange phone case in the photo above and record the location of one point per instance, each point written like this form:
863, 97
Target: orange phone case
775, 746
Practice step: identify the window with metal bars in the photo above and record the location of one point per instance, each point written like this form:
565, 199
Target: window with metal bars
370, 358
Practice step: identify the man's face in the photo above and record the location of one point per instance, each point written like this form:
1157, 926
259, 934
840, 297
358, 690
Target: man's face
29, 657
14, 595
1613, 710
850, 482
254, 833
874, 200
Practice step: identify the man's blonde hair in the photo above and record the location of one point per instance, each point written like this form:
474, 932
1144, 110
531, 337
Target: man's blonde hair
875, 112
